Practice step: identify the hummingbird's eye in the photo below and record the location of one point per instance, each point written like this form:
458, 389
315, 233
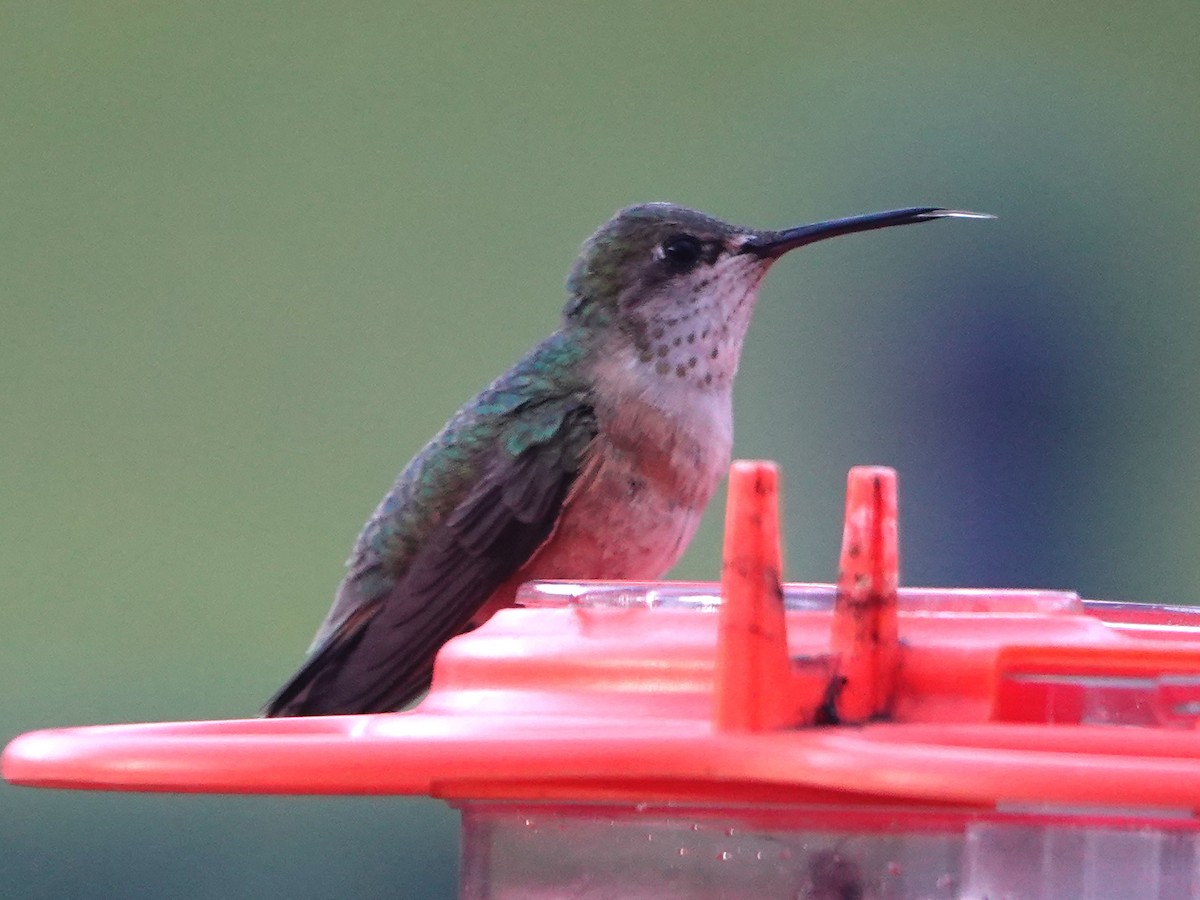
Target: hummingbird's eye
682, 251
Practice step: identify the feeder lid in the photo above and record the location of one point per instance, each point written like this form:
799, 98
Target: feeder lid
746, 691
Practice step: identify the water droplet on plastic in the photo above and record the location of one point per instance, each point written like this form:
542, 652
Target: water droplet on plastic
683, 851
729, 832
724, 855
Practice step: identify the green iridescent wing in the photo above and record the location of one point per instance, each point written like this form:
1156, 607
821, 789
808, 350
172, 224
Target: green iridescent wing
464, 516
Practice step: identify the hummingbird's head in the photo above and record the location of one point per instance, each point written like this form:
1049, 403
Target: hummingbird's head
677, 287
674, 284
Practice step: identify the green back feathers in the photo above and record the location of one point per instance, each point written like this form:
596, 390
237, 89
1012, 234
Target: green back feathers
528, 406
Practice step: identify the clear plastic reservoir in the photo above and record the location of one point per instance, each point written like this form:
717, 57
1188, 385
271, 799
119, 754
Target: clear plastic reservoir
528, 851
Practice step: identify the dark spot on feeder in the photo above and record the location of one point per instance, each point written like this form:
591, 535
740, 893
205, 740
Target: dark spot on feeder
826, 713
831, 876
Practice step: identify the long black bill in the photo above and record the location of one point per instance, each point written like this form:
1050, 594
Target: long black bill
771, 244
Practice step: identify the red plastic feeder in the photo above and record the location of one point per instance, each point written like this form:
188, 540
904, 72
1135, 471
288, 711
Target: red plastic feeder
825, 741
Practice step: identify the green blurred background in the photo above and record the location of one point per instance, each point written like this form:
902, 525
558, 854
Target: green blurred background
252, 255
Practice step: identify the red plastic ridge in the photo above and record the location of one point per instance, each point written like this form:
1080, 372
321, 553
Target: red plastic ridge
866, 639
752, 690
757, 688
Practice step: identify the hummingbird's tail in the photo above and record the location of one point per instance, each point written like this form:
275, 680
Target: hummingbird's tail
308, 692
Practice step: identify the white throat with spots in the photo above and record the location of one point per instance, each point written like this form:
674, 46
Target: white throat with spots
694, 328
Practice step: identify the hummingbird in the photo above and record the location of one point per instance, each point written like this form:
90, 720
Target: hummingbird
593, 457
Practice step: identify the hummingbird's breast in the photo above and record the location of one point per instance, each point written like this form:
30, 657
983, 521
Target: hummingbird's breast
654, 464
